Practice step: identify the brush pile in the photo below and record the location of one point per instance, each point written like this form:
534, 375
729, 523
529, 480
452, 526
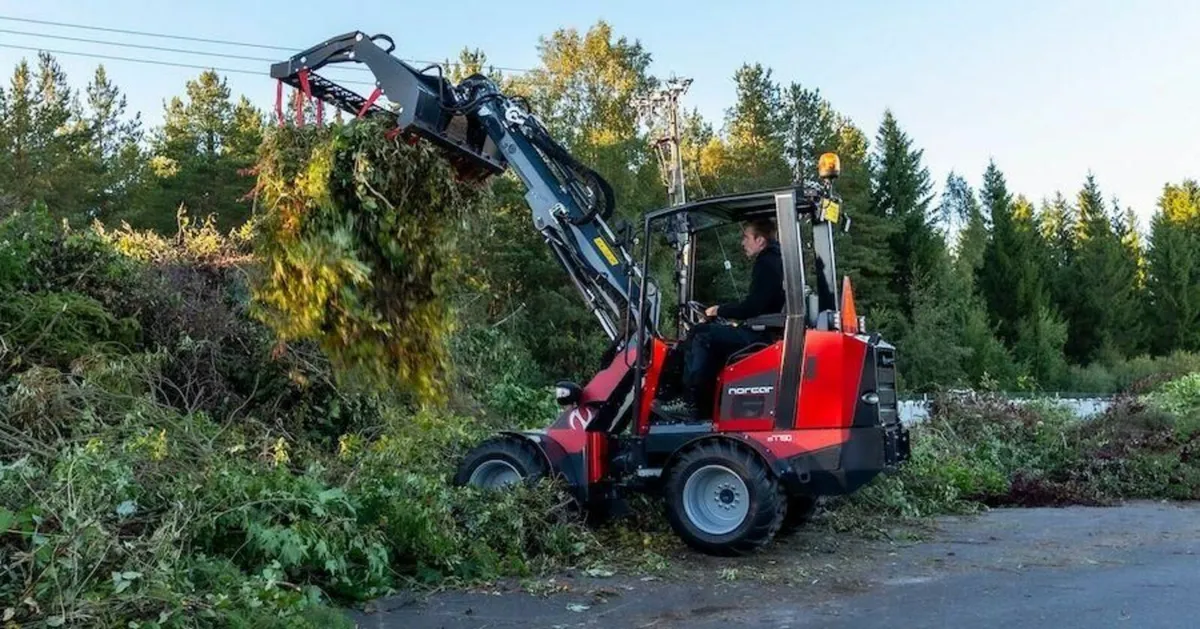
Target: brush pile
358, 247
986, 450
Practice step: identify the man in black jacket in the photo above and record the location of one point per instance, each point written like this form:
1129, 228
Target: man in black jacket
709, 345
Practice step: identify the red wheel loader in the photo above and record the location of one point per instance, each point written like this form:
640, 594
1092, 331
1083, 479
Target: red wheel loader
811, 411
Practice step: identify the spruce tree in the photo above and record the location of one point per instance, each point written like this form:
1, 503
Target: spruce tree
1173, 270
1105, 310
1131, 324
984, 359
864, 252
900, 192
933, 350
1011, 281
1058, 226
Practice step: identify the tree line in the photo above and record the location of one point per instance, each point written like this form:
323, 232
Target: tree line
978, 286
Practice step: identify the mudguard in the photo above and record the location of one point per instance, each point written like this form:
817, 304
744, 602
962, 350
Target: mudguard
774, 463
570, 466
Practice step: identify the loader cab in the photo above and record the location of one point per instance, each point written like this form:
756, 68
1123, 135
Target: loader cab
806, 218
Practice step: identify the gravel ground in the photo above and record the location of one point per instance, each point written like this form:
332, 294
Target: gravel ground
1128, 566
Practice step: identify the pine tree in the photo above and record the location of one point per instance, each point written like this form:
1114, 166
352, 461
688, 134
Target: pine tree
9, 196
1173, 270
18, 132
809, 129
113, 154
59, 135
900, 192
754, 131
199, 154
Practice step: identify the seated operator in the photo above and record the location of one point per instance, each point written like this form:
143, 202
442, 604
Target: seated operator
710, 344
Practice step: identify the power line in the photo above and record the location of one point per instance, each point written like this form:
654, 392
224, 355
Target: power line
221, 42
158, 48
122, 31
153, 62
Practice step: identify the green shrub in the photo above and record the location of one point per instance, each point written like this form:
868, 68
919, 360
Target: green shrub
160, 512
1179, 397
56, 328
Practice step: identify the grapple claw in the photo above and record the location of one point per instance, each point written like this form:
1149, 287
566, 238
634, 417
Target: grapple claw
424, 106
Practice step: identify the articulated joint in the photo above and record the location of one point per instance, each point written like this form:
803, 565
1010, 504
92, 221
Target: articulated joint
514, 116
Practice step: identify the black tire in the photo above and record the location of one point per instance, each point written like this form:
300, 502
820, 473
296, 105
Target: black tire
714, 465
800, 510
498, 456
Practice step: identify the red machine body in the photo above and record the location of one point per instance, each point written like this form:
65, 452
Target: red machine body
813, 406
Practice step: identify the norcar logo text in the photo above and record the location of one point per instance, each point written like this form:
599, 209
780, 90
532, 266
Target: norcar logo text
750, 390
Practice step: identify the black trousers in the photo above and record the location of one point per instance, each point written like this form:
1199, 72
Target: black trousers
708, 346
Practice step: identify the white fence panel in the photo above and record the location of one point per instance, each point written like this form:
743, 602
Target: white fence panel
917, 409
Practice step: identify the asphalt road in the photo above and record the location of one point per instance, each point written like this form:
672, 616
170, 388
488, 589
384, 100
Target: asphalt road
1129, 566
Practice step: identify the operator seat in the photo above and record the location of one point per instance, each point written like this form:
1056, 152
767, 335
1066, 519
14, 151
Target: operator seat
814, 318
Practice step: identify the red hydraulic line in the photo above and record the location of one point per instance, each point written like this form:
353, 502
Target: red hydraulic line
279, 102
370, 101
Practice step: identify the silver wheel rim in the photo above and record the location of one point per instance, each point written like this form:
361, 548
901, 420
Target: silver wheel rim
716, 500
495, 473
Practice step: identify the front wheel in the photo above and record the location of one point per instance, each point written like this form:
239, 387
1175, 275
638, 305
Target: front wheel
500, 462
722, 500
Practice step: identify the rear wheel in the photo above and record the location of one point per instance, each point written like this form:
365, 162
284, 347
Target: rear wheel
722, 500
500, 462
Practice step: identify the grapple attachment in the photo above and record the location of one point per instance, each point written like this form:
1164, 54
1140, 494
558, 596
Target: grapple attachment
422, 106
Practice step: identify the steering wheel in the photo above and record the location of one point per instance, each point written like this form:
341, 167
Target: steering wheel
697, 310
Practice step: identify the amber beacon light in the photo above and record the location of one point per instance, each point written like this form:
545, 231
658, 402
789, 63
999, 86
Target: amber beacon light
829, 166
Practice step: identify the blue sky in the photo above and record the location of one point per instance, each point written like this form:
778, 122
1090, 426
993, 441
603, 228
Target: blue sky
1047, 89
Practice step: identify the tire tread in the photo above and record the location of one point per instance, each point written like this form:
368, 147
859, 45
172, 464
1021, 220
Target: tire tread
769, 503
521, 452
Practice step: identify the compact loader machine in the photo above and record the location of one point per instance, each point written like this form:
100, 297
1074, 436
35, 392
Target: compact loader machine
809, 412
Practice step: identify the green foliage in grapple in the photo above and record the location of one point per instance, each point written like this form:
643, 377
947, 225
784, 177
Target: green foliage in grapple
357, 245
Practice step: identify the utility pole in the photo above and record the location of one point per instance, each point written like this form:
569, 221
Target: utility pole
661, 111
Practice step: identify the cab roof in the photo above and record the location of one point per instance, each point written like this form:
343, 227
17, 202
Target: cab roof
731, 208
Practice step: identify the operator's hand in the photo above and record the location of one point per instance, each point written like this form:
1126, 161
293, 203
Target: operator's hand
711, 311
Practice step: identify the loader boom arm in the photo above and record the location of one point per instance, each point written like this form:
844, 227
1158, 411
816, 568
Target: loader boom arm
484, 132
